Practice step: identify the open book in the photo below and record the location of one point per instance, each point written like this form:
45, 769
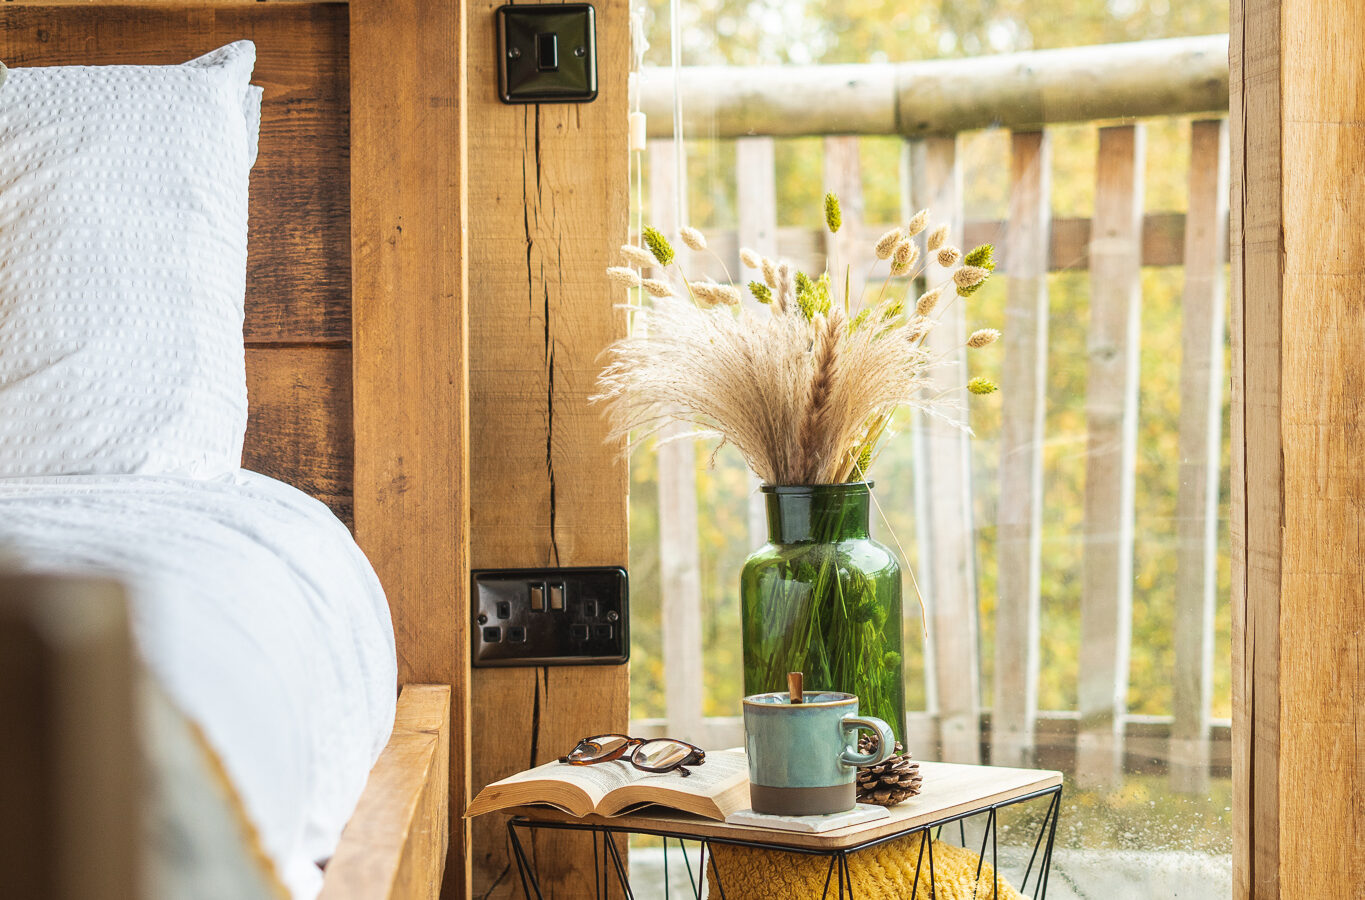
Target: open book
715, 789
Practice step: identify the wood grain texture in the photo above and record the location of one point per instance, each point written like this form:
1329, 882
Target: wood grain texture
1111, 452
394, 845
1020, 510
410, 368
299, 428
1257, 477
298, 260
1321, 661
68, 758
948, 577
1203, 337
549, 204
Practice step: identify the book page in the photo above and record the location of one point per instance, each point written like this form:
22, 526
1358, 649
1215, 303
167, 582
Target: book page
574, 789
715, 789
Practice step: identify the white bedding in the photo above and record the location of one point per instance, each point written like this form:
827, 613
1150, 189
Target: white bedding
260, 617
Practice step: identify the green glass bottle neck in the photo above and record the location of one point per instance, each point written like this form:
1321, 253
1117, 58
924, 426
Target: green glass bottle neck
823, 513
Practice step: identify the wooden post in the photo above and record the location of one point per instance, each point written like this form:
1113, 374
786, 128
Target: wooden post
1201, 418
756, 185
1111, 419
1020, 513
1298, 484
679, 552
549, 206
947, 536
845, 252
409, 251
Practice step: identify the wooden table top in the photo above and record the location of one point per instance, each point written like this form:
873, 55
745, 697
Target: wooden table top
949, 789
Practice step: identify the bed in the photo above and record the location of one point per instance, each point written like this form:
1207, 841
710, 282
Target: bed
234, 537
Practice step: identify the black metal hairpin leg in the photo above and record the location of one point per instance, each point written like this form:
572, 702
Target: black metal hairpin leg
523, 866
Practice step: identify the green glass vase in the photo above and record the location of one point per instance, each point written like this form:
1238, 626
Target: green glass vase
823, 598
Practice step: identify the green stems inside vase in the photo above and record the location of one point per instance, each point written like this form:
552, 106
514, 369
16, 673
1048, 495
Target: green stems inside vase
822, 598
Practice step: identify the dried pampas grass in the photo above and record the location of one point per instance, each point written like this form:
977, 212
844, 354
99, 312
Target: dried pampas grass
804, 391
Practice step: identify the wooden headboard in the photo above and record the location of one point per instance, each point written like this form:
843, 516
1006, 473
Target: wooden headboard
355, 307
298, 299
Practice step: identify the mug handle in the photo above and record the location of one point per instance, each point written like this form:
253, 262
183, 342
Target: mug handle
885, 749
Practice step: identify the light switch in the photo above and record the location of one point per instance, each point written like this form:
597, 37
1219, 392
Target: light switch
547, 53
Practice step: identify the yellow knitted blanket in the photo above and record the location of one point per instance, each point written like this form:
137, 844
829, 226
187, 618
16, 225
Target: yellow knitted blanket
886, 871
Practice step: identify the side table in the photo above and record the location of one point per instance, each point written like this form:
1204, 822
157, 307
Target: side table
970, 799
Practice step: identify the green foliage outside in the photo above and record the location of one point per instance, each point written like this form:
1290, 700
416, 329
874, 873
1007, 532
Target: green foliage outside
746, 32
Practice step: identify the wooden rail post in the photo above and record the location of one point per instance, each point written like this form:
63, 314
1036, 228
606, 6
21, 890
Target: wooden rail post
756, 187
1020, 514
1201, 419
1298, 484
1111, 419
844, 250
947, 537
679, 553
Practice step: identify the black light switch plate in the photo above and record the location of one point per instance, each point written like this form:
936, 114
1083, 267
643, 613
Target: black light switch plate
547, 53
550, 617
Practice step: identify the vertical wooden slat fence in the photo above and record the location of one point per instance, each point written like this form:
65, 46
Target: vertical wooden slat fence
1203, 336
1111, 449
756, 187
1112, 244
946, 537
679, 550
1020, 512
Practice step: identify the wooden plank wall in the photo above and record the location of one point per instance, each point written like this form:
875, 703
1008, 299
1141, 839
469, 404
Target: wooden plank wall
298, 326
1298, 490
548, 195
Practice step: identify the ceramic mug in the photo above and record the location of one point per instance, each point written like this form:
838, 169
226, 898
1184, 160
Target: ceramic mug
803, 757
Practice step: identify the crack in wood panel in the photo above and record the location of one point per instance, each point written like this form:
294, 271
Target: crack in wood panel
548, 206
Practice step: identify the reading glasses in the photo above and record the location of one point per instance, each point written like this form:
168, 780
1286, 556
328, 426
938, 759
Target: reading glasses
654, 755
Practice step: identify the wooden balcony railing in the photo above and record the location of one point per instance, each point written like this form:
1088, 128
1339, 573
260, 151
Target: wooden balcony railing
929, 104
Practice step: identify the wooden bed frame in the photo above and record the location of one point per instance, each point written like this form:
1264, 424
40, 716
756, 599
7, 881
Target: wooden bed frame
354, 307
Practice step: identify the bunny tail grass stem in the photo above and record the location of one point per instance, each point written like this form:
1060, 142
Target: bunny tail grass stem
909, 569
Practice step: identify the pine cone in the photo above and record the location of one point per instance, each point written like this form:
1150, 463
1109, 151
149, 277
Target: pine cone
889, 782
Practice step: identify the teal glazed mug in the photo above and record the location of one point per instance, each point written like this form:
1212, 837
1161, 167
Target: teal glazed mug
803, 757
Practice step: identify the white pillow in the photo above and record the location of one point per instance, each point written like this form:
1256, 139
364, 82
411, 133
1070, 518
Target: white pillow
123, 214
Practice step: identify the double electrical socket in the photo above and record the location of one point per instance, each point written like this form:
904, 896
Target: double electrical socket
548, 617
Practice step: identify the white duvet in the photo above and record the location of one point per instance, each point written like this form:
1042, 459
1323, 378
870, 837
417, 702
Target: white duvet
260, 617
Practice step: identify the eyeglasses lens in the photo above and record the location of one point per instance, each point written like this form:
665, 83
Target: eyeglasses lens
661, 754
598, 747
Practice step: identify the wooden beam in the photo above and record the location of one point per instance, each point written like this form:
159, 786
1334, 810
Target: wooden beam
845, 250
1020, 512
947, 536
1257, 244
394, 846
1163, 243
756, 199
1299, 495
410, 371
549, 205
1021, 91
680, 598
1203, 339
1111, 426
